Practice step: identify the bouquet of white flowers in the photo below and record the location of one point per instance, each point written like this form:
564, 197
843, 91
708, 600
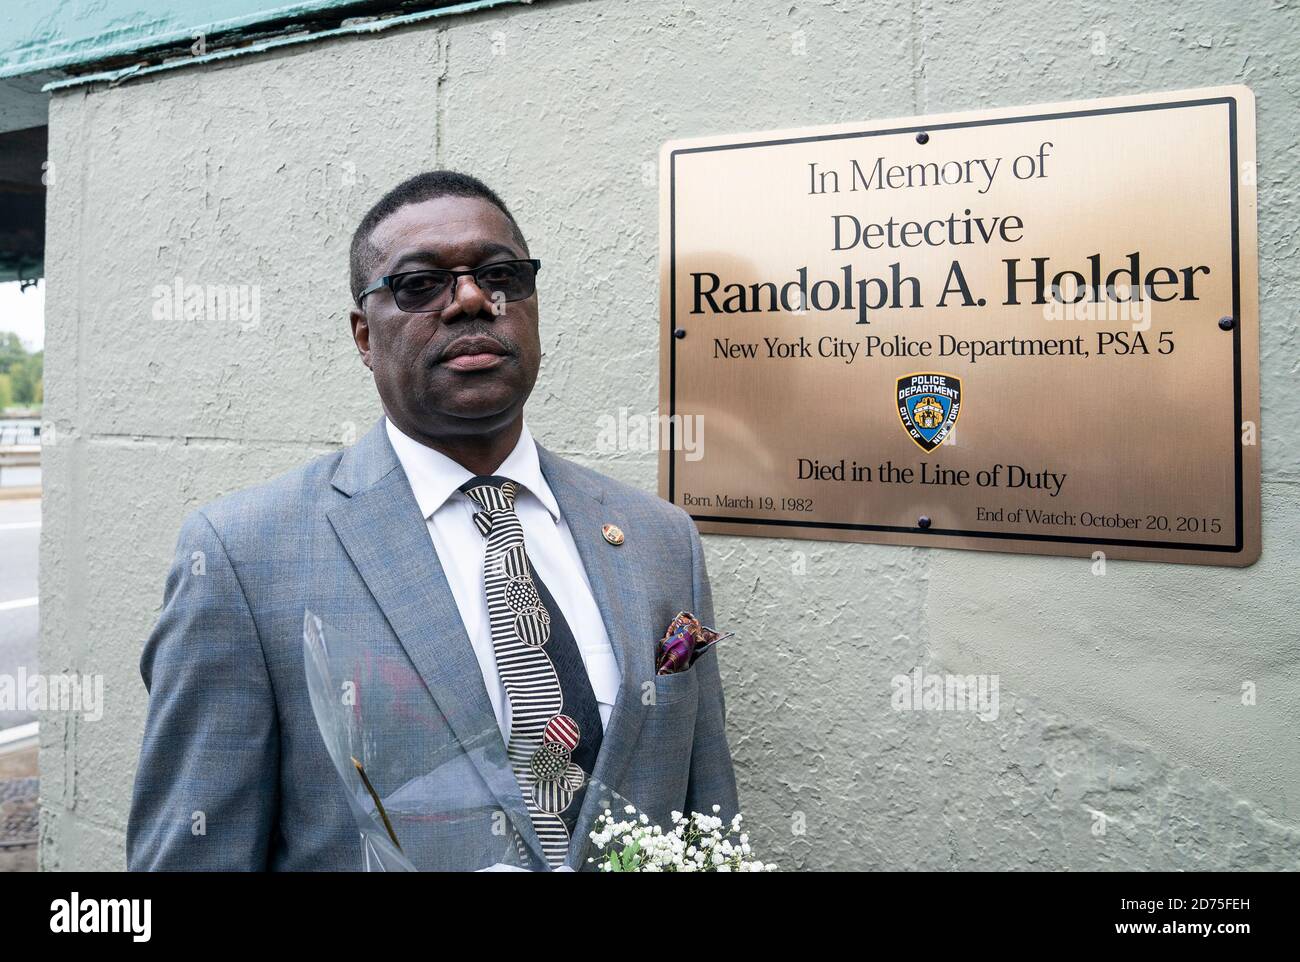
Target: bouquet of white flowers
695, 844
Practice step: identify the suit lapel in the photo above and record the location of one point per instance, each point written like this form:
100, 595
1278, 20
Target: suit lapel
619, 593
383, 533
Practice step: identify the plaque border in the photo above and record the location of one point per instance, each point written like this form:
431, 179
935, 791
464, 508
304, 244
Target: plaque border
1239, 542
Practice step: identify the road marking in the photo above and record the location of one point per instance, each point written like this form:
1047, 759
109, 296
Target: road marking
19, 603
19, 525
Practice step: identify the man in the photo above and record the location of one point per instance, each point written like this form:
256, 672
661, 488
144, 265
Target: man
526, 594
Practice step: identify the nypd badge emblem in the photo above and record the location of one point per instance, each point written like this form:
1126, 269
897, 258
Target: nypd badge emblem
928, 405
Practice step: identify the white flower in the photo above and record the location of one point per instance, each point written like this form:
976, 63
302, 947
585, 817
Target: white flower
698, 843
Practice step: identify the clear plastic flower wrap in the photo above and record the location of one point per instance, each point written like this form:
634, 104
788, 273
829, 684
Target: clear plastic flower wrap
423, 798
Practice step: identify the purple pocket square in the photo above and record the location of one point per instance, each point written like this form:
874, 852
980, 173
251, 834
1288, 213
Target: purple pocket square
684, 641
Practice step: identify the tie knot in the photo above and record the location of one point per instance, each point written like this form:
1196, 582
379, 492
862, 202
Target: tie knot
491, 493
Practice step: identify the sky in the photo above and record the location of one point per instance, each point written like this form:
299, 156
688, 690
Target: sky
24, 313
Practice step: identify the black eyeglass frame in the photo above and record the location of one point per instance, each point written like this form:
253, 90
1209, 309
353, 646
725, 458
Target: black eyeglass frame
388, 279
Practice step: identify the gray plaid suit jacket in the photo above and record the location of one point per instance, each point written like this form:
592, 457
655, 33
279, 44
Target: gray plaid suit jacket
233, 773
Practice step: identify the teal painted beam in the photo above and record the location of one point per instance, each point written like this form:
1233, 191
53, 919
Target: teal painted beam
40, 35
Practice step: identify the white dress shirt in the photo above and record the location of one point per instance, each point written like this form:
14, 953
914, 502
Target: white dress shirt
449, 514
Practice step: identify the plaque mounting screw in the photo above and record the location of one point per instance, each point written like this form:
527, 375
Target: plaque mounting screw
923, 138
1227, 323
923, 521
679, 333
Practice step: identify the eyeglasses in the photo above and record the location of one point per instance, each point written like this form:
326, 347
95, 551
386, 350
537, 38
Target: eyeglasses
431, 290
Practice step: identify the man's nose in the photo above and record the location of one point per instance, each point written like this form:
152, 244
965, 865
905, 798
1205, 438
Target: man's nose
468, 299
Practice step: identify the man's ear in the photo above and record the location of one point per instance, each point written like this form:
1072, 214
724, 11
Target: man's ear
360, 333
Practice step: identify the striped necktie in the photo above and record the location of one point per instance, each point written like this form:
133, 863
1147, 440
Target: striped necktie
555, 729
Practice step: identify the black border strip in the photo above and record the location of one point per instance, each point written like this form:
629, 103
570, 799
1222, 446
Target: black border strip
1239, 543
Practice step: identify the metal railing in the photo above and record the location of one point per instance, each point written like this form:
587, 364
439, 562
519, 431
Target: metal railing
18, 456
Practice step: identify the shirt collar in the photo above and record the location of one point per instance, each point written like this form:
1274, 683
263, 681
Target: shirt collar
435, 478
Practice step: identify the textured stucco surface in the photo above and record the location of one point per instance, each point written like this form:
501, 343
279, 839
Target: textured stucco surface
1120, 694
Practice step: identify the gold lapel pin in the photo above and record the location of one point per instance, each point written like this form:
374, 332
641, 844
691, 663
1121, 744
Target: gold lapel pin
613, 534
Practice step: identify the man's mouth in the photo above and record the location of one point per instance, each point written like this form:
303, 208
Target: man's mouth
473, 353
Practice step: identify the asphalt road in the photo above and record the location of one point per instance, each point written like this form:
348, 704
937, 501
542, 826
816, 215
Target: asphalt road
20, 535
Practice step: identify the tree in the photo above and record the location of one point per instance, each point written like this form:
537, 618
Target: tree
23, 372
20, 381
11, 350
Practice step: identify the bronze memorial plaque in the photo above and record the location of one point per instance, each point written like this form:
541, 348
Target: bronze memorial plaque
1031, 329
